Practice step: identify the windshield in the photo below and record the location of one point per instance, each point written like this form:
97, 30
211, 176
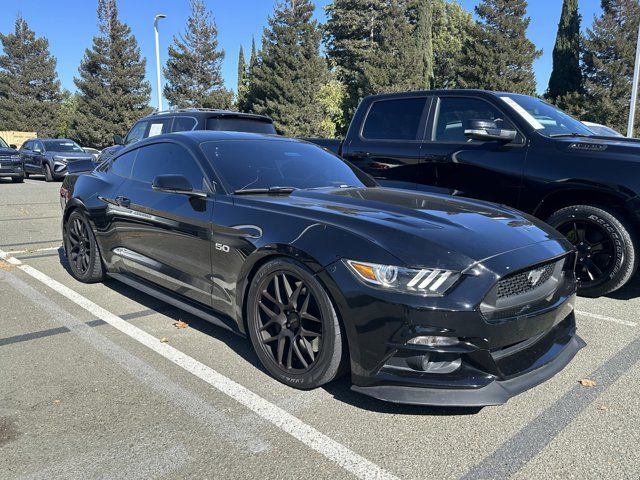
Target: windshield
3, 144
66, 146
545, 118
261, 164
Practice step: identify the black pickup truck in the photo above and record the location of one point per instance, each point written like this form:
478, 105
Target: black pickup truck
515, 150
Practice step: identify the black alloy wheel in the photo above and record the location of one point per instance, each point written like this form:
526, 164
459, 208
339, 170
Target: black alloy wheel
293, 326
82, 250
48, 174
606, 253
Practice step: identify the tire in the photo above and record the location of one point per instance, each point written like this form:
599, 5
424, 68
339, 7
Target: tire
17, 179
26, 174
81, 249
288, 307
48, 174
607, 252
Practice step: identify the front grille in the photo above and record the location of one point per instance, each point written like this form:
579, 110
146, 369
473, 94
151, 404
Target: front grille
524, 282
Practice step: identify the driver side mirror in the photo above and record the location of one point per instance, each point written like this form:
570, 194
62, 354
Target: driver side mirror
14, 146
488, 131
118, 140
175, 184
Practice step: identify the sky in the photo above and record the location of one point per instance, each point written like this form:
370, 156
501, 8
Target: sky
70, 25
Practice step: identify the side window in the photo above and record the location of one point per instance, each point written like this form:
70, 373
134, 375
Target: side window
158, 126
123, 164
183, 124
397, 119
136, 133
27, 146
454, 115
166, 159
38, 147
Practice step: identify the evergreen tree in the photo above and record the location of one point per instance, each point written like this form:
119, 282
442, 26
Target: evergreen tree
608, 62
286, 81
254, 59
499, 56
29, 85
394, 63
351, 33
452, 26
193, 71
566, 76
243, 85
420, 15
66, 113
112, 91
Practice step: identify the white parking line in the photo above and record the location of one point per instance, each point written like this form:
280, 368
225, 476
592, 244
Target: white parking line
607, 319
33, 250
343, 456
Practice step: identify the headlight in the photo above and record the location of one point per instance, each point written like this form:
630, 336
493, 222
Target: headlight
56, 158
426, 281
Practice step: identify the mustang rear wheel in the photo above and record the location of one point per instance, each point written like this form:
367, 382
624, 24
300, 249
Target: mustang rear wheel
607, 255
293, 326
82, 249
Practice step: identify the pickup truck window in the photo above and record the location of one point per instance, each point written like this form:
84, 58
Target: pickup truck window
397, 119
184, 124
455, 112
136, 133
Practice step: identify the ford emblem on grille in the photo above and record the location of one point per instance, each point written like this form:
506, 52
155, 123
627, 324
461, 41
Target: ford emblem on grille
535, 276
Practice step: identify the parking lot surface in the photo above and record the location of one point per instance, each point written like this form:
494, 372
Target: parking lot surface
96, 381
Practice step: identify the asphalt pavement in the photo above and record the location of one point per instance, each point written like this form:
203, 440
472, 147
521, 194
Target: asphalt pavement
96, 381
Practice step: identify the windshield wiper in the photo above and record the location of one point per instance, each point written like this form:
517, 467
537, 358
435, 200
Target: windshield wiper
583, 135
269, 190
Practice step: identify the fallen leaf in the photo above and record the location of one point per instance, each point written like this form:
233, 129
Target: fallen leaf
164, 340
180, 324
56, 402
604, 408
6, 266
585, 382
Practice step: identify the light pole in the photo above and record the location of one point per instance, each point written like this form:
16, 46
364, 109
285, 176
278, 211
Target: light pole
634, 89
155, 29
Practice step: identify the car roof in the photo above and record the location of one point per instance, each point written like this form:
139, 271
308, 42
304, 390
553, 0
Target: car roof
462, 91
207, 113
47, 139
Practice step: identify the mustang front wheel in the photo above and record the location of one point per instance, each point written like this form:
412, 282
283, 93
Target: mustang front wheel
293, 326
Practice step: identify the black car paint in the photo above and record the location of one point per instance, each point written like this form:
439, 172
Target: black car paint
34, 160
536, 174
10, 163
207, 248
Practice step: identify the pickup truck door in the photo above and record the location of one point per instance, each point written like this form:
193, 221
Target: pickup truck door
387, 142
487, 170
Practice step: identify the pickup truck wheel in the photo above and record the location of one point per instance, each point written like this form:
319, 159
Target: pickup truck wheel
48, 174
607, 253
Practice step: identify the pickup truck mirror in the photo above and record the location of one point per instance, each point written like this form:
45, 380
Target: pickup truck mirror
488, 131
118, 140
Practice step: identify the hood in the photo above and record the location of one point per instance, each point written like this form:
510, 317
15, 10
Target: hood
624, 148
4, 152
420, 229
72, 156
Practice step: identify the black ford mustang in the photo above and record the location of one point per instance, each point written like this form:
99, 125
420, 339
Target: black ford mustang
425, 299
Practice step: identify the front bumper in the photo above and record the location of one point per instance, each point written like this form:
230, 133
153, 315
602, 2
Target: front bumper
494, 359
11, 169
59, 169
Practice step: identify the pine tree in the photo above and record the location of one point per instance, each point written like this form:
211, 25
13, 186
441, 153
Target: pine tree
499, 56
112, 91
394, 63
243, 86
351, 33
566, 76
452, 26
286, 81
29, 85
66, 113
608, 62
420, 15
193, 71
254, 59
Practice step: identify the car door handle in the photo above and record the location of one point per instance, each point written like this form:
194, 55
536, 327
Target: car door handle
123, 202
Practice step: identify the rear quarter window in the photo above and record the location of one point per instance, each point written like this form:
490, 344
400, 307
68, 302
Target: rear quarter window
395, 119
239, 124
